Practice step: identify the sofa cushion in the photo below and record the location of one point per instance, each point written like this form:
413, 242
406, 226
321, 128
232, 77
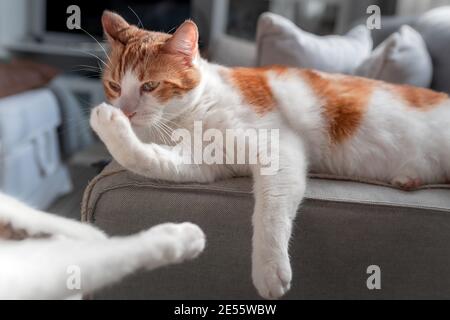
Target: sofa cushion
434, 27
403, 58
280, 41
342, 228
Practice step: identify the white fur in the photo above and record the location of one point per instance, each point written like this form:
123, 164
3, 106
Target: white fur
40, 268
392, 142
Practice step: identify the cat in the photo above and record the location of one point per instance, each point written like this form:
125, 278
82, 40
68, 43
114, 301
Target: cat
328, 123
41, 254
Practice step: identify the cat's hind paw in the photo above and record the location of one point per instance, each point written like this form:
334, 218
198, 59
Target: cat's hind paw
406, 183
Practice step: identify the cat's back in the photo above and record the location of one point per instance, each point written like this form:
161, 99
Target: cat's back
349, 121
339, 103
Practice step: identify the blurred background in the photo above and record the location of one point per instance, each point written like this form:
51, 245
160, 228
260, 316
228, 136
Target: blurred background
49, 75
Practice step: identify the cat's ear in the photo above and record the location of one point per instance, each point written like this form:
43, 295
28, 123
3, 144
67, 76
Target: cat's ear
184, 41
114, 27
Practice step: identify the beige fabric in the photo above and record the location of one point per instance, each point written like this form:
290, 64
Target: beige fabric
320, 187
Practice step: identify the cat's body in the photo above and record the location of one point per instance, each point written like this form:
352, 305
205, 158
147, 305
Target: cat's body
327, 123
43, 256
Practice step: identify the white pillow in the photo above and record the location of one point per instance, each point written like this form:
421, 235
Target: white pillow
401, 58
280, 41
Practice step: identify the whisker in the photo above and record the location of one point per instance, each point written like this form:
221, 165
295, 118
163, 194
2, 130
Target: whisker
167, 137
140, 25
167, 131
98, 42
159, 134
173, 29
89, 66
162, 133
98, 58
87, 70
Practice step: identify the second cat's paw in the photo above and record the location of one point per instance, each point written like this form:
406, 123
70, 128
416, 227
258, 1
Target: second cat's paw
272, 278
185, 241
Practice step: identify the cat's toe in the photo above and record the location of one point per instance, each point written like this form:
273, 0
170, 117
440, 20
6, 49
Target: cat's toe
272, 279
194, 240
406, 182
100, 115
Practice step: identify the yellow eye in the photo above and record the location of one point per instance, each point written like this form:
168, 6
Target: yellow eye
114, 86
150, 86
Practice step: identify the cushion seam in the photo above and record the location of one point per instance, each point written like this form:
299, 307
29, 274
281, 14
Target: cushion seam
90, 216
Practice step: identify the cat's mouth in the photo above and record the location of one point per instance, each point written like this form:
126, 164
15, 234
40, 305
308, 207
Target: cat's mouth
143, 119
129, 115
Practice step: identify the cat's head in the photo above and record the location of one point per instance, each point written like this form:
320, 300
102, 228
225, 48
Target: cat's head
150, 75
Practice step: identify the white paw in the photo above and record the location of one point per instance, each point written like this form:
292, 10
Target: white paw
108, 121
186, 241
406, 182
272, 277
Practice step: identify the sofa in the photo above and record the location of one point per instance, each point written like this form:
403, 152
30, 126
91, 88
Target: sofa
343, 228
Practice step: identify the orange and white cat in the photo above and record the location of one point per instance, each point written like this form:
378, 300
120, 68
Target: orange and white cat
328, 123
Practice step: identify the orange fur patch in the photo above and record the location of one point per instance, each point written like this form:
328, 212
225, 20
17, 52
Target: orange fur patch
7, 232
345, 100
254, 87
420, 98
143, 54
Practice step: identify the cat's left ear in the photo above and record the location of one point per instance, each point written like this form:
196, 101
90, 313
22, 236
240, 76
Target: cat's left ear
184, 41
115, 27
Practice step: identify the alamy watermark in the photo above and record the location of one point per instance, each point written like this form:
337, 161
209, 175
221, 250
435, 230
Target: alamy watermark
374, 280
231, 147
73, 282
374, 20
74, 19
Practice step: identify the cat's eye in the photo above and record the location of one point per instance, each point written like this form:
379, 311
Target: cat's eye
114, 86
150, 86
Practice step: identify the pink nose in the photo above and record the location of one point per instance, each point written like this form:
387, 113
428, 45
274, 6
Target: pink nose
129, 114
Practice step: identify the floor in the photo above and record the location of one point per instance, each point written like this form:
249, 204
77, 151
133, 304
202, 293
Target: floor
82, 170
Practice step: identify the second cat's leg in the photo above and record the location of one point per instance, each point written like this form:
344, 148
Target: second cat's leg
59, 269
35, 222
277, 198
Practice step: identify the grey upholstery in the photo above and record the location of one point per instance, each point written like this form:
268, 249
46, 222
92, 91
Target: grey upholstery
342, 228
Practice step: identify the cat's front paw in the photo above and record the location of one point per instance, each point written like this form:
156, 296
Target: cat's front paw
185, 241
272, 277
109, 122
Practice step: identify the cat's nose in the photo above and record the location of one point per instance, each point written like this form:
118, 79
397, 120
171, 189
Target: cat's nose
129, 114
